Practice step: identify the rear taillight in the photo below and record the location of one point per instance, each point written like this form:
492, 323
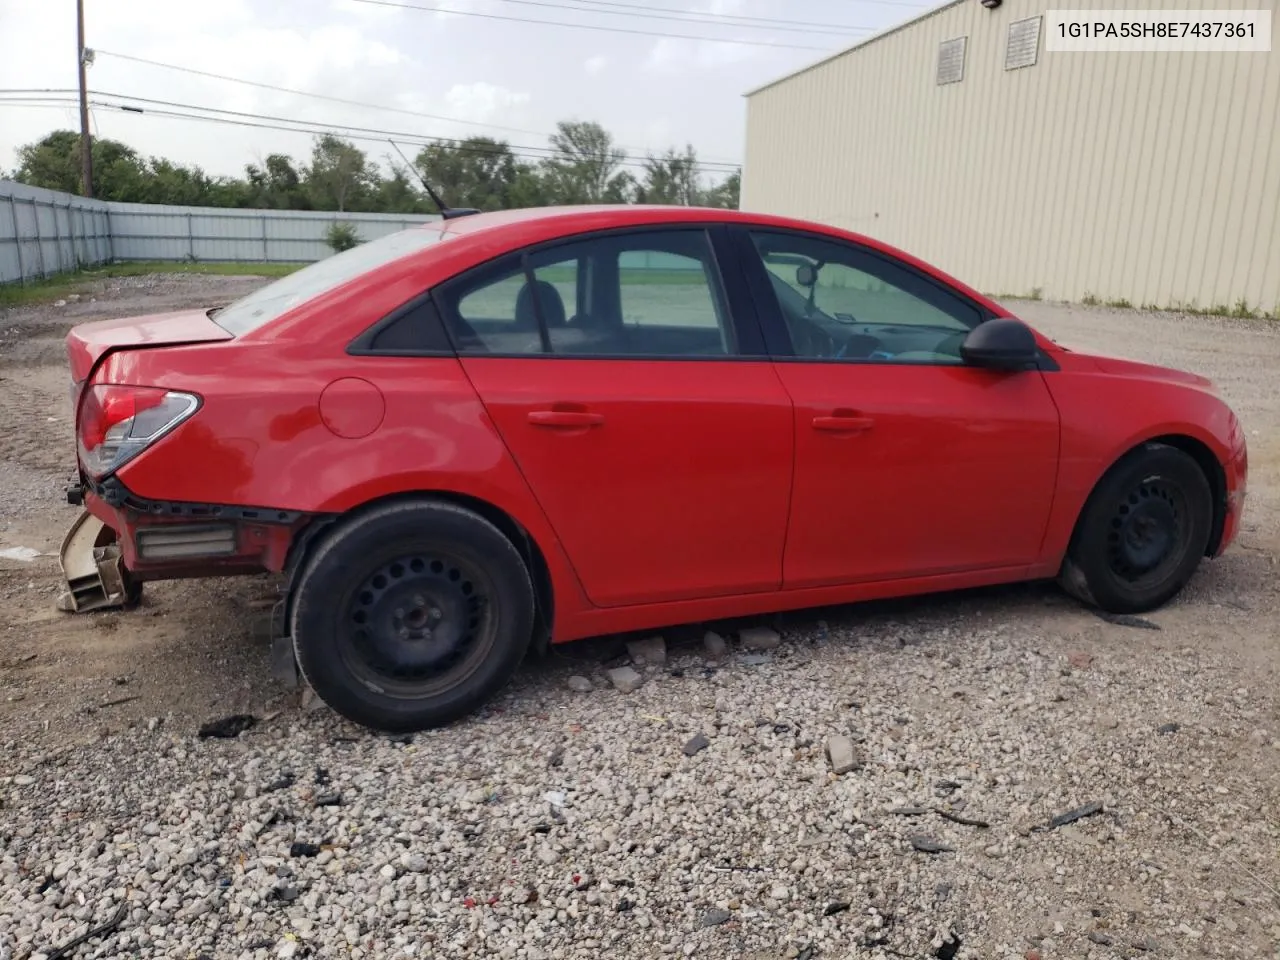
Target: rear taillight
118, 422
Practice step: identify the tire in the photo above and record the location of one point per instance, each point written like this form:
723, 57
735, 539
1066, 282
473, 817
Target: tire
412, 616
1142, 532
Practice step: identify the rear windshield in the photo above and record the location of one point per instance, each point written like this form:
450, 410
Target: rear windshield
266, 303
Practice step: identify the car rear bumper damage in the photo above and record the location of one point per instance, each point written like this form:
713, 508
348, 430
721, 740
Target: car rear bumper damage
121, 540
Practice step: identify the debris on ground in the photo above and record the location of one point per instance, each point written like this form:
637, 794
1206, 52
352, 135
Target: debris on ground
228, 728
1127, 620
962, 820
923, 844
1079, 813
99, 931
580, 684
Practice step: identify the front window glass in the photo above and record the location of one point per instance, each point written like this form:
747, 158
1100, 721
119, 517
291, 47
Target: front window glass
275, 299
843, 302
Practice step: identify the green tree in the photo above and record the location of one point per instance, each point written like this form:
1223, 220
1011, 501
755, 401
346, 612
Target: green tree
476, 172
585, 165
54, 163
528, 188
399, 193
340, 176
168, 182
727, 194
277, 185
672, 179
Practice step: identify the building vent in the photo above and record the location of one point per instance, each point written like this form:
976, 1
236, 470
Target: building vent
951, 60
1024, 43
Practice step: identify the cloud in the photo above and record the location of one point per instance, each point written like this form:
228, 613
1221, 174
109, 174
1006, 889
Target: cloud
481, 102
671, 56
593, 65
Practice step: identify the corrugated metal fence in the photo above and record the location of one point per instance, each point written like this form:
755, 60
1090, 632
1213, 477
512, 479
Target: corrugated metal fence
43, 232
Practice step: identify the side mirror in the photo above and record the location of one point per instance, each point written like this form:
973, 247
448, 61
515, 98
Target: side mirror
1001, 343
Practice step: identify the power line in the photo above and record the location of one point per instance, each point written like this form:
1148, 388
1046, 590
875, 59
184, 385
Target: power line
591, 26
645, 12
342, 100
364, 134
742, 16
381, 134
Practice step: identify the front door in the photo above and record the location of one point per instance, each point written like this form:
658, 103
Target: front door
614, 370
908, 462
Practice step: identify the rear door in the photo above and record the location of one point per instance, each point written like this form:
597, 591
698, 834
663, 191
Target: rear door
628, 380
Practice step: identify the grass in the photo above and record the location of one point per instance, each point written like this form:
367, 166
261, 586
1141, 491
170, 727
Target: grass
60, 285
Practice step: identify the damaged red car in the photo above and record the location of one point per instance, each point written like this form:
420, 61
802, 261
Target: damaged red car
497, 431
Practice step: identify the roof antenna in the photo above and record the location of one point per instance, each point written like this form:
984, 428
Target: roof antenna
446, 212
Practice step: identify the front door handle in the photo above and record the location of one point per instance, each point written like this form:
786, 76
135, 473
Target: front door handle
565, 418
843, 423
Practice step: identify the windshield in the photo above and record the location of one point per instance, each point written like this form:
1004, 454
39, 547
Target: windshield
265, 304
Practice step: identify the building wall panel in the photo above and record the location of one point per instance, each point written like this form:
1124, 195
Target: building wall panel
1152, 178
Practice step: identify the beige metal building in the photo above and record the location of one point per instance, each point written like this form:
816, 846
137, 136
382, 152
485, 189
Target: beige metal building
1151, 178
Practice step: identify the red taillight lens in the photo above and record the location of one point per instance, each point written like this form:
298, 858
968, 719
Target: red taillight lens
118, 422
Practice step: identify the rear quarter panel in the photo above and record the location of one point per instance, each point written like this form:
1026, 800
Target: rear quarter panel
259, 439
1104, 414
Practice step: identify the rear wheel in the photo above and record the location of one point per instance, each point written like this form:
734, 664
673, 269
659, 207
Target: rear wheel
1143, 532
412, 616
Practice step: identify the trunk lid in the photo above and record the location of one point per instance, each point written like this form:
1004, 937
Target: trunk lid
90, 342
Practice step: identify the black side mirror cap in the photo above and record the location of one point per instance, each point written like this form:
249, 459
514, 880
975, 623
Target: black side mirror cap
1001, 343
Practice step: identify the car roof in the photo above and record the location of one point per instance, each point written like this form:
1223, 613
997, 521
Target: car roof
574, 217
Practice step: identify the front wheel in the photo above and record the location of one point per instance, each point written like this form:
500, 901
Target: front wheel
1142, 533
412, 616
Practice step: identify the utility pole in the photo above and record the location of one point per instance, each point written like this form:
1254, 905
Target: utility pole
86, 145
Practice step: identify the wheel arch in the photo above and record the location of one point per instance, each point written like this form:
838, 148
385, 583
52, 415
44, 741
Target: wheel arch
1205, 459
310, 538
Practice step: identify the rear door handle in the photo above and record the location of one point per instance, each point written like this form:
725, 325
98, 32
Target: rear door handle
843, 423
565, 418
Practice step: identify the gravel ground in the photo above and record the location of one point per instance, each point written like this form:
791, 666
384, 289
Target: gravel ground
697, 816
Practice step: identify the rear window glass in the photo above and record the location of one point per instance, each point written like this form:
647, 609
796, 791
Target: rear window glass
266, 303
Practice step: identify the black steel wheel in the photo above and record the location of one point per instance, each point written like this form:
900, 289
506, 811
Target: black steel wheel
1142, 533
412, 615
418, 623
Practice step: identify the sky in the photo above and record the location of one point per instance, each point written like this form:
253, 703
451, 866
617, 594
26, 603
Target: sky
458, 61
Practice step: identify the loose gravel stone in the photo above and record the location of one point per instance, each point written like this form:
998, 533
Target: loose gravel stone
843, 755
759, 639
696, 745
625, 679
651, 651
716, 646
580, 684
715, 917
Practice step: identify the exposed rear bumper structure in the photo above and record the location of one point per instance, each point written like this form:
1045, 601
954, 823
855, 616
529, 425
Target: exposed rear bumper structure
93, 571
120, 541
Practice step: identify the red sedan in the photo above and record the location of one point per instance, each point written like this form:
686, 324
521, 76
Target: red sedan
507, 429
